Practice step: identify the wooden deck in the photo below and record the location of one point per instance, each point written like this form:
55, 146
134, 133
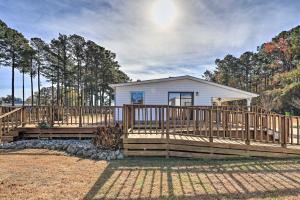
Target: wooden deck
201, 147
161, 130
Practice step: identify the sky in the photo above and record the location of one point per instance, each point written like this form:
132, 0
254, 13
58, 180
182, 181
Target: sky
153, 38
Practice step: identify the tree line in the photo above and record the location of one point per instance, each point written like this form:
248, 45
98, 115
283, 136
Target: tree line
273, 71
79, 70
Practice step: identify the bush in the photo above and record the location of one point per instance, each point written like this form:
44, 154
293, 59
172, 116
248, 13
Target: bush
44, 125
108, 137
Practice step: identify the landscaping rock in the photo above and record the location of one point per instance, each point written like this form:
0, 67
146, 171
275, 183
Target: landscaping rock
79, 153
86, 153
120, 156
94, 156
72, 147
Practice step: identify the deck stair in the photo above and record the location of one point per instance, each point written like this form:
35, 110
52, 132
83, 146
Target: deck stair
9, 122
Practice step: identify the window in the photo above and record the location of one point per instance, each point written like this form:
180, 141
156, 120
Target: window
137, 97
181, 98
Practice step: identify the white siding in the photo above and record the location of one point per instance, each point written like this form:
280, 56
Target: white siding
157, 93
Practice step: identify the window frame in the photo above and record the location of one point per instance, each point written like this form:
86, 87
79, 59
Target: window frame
180, 92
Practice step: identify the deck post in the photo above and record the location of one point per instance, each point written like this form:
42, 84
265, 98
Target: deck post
51, 115
125, 122
247, 127
197, 121
23, 119
80, 116
284, 131
167, 131
125, 127
124, 119
211, 139
22, 116
1, 130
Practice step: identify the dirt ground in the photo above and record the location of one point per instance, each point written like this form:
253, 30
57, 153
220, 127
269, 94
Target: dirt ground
45, 174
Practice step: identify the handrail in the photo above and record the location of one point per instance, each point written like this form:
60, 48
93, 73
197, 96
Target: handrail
10, 121
9, 113
73, 115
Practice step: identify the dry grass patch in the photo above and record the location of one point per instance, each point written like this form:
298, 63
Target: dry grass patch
45, 174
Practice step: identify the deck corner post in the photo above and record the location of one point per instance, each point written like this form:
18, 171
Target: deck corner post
211, 139
247, 127
284, 131
23, 117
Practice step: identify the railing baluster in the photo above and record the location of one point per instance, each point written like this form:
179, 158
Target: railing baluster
298, 130
210, 126
292, 132
156, 119
150, 116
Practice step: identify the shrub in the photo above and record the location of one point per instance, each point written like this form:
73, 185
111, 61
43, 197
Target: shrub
44, 125
108, 137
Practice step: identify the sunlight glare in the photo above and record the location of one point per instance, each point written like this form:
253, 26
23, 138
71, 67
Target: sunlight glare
164, 13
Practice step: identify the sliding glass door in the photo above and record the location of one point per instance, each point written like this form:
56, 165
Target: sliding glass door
181, 98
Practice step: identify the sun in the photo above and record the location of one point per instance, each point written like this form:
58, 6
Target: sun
163, 13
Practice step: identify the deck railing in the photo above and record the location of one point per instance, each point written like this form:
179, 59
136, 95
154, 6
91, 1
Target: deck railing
245, 124
9, 121
213, 123
73, 115
6, 109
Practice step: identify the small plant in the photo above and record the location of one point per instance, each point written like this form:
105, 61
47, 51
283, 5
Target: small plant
44, 125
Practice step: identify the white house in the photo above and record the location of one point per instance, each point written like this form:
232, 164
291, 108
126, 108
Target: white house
178, 91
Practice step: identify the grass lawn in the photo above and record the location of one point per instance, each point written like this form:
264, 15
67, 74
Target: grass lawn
45, 174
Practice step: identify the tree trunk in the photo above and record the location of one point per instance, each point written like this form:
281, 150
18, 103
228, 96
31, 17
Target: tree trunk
91, 98
57, 87
13, 81
52, 87
31, 81
39, 87
23, 87
78, 82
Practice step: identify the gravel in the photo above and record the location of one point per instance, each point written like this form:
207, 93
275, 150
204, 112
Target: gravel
80, 148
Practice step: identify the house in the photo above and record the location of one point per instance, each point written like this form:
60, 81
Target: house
177, 91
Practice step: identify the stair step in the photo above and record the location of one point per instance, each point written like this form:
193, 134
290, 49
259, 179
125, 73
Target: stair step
14, 133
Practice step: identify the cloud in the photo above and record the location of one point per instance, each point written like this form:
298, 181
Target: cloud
203, 31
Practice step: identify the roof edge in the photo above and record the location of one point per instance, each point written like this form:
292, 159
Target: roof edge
250, 94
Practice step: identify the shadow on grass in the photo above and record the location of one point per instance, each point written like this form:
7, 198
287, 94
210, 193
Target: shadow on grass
159, 178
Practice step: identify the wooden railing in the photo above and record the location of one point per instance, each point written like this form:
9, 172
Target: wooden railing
73, 115
212, 122
6, 109
9, 121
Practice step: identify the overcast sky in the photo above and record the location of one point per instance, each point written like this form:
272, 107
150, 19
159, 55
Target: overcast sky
197, 33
